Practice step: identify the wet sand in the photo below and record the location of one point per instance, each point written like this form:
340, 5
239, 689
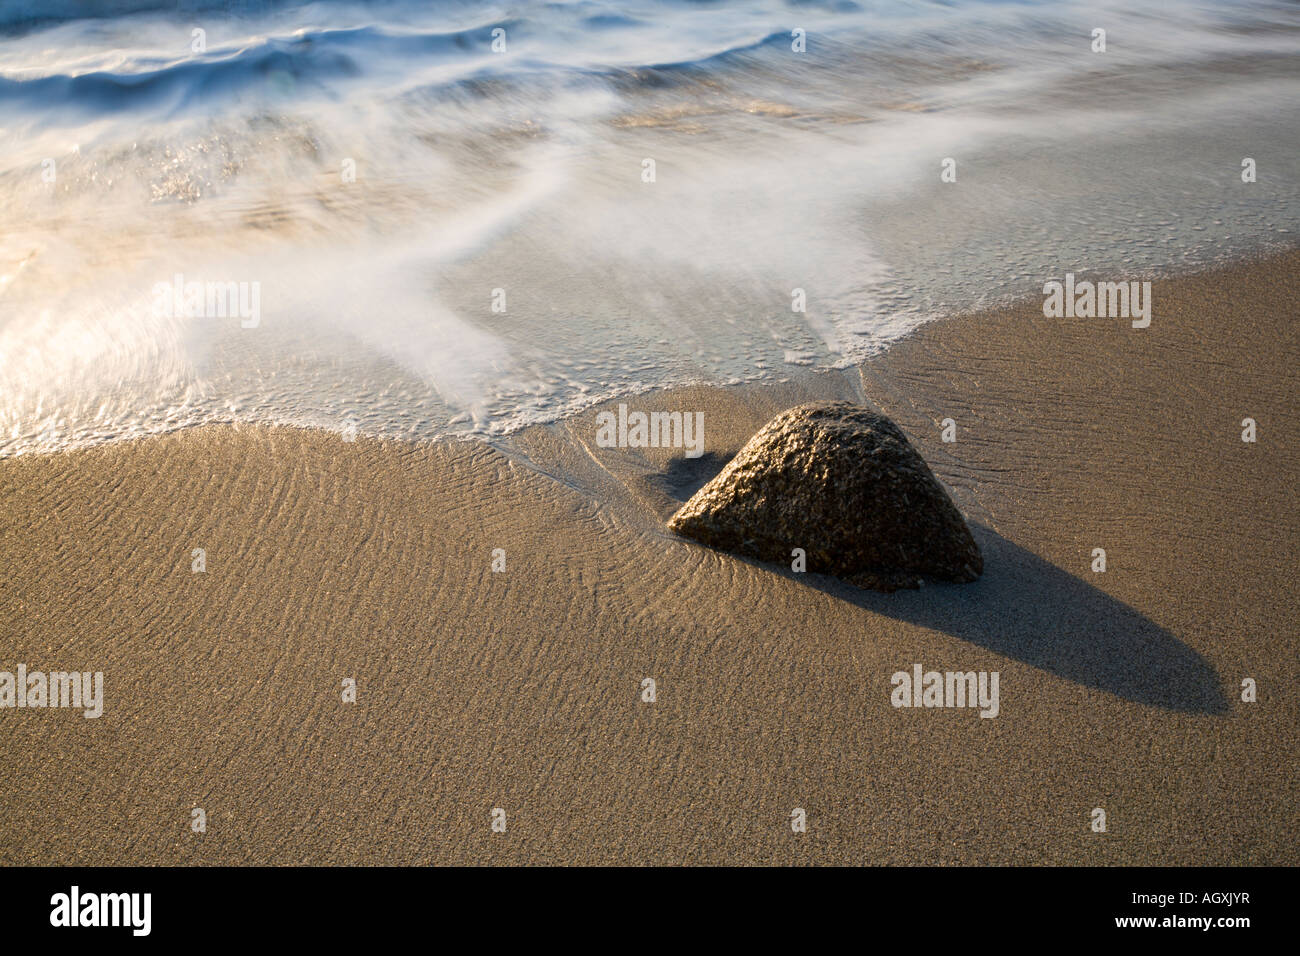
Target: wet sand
521, 689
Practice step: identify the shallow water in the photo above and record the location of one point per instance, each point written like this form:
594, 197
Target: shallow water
130, 157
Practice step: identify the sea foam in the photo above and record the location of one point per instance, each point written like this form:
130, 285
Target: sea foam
451, 229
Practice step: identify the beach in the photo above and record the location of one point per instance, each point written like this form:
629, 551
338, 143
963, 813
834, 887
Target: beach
327, 560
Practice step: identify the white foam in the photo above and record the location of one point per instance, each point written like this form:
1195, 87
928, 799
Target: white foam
522, 172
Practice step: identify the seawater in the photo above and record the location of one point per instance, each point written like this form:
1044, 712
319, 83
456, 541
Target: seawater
445, 210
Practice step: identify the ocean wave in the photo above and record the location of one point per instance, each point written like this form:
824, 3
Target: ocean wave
663, 191
275, 67
28, 13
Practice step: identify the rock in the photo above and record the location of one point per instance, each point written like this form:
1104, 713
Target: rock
843, 483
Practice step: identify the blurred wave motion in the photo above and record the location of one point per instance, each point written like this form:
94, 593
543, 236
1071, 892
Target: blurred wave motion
447, 210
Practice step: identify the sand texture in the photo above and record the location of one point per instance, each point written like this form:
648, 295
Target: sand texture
522, 689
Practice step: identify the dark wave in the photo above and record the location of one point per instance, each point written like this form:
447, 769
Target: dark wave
17, 15
273, 66
319, 61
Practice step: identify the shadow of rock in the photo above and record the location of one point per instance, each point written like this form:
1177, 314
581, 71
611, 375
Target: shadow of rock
682, 477
1028, 609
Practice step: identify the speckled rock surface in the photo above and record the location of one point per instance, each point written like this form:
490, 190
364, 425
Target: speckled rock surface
843, 483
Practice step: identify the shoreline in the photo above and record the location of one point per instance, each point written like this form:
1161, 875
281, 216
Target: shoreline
792, 373
476, 689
